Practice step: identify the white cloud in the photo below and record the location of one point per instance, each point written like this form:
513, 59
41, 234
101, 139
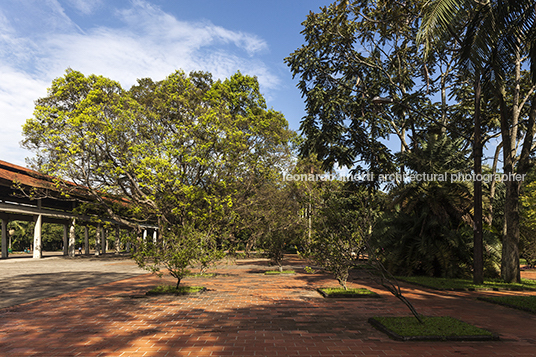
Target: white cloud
146, 43
86, 7
18, 90
151, 22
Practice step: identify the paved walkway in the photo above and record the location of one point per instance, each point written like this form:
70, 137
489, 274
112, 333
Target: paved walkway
245, 313
24, 279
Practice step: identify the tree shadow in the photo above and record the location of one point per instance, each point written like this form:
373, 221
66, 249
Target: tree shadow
120, 323
238, 315
25, 288
182, 325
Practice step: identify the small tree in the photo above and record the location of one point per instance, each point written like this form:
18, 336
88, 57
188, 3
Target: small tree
343, 221
275, 243
175, 251
208, 253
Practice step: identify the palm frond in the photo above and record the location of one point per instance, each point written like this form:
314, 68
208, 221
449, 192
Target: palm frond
440, 19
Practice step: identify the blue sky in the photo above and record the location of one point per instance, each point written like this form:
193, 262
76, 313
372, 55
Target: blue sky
129, 39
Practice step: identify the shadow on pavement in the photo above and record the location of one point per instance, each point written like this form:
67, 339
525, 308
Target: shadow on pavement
26, 288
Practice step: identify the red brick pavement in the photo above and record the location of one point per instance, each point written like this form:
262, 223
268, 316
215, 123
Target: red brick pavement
247, 314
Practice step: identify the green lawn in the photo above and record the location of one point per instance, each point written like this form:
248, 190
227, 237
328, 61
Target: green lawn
276, 272
201, 275
432, 328
171, 289
467, 284
525, 303
353, 292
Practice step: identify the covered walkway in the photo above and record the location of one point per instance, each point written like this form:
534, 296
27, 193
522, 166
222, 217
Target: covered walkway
27, 195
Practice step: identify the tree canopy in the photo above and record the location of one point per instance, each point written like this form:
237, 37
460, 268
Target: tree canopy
461, 69
182, 150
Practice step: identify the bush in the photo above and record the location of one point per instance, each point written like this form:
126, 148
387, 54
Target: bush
176, 251
342, 224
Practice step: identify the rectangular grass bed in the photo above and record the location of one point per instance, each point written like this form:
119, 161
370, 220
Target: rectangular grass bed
434, 328
349, 293
467, 284
173, 290
277, 272
524, 303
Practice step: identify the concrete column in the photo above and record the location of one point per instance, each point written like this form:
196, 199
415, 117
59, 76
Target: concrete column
138, 238
117, 239
144, 235
155, 236
4, 238
37, 247
104, 240
72, 238
65, 239
86, 240
97, 239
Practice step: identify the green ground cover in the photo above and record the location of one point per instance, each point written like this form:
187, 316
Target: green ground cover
432, 328
201, 275
276, 272
467, 284
351, 292
171, 289
525, 303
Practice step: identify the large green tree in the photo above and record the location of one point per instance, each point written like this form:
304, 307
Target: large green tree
497, 41
355, 51
179, 149
358, 50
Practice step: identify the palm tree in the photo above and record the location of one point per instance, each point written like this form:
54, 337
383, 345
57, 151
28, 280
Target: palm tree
487, 30
493, 36
426, 233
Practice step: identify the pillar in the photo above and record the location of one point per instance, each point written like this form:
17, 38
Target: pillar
104, 240
4, 238
117, 240
97, 239
155, 236
72, 238
86, 240
65, 239
37, 247
144, 235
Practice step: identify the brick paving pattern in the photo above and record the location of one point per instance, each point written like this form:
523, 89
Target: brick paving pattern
245, 313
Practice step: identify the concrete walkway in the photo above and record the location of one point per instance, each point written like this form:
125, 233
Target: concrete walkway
24, 279
245, 313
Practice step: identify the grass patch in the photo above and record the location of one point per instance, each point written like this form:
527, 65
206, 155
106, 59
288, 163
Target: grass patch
201, 275
442, 328
172, 290
467, 284
525, 303
276, 272
349, 293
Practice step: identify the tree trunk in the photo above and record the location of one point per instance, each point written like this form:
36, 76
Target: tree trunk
478, 260
510, 253
178, 282
493, 184
509, 131
510, 248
